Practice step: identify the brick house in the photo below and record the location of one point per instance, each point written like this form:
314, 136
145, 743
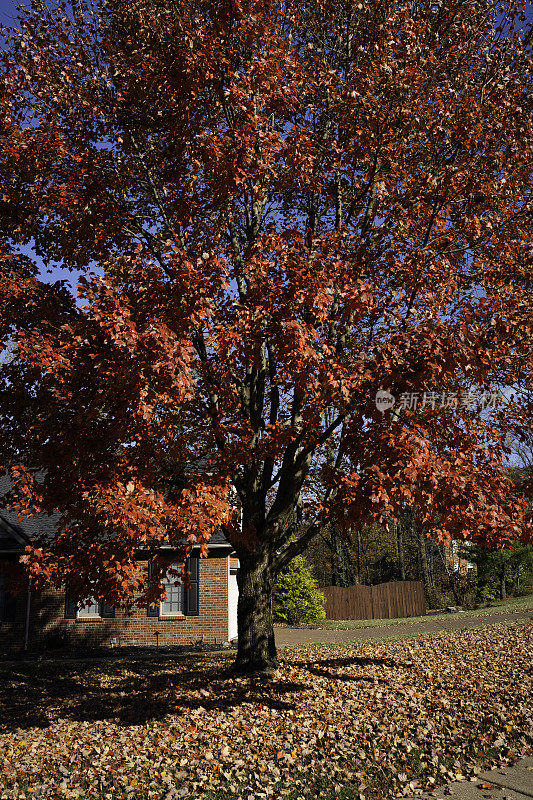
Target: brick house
207, 611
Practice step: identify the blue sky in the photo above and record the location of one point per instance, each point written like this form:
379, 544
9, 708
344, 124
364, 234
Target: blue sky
7, 11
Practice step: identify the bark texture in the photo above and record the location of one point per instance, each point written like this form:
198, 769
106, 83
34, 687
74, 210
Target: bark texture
401, 558
429, 587
256, 651
503, 590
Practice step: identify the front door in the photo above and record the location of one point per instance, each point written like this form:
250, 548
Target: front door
233, 596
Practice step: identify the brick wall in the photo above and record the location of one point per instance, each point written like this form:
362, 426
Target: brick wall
11, 633
49, 628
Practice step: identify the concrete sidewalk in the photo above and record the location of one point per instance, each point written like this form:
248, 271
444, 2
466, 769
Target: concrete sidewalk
505, 783
289, 637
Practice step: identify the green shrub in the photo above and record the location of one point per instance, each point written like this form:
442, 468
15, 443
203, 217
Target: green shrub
487, 593
297, 596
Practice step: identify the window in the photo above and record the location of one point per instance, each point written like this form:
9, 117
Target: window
175, 593
179, 601
92, 609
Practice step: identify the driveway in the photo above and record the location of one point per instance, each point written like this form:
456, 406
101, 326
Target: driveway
290, 637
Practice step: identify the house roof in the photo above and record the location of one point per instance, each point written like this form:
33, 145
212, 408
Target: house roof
15, 535
12, 540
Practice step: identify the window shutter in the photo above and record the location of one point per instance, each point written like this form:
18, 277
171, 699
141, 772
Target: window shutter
153, 610
70, 607
10, 607
192, 595
107, 612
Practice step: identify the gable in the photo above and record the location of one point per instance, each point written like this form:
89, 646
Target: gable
12, 538
22, 532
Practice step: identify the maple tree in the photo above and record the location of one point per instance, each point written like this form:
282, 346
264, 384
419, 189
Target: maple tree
277, 209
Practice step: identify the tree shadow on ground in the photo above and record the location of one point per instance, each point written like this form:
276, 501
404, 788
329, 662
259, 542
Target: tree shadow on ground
320, 667
350, 661
131, 693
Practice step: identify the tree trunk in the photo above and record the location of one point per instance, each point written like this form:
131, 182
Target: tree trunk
256, 649
428, 586
401, 559
516, 582
449, 573
503, 593
357, 577
334, 576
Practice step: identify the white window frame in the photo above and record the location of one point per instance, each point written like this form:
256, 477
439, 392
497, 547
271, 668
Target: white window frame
84, 613
173, 583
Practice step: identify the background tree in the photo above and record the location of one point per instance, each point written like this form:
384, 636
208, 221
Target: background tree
277, 209
393, 551
500, 571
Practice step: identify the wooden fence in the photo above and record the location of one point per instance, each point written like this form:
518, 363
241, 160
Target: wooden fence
383, 601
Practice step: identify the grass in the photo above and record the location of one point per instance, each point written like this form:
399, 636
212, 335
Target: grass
509, 606
395, 637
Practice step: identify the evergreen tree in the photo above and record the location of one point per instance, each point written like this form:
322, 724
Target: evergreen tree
297, 596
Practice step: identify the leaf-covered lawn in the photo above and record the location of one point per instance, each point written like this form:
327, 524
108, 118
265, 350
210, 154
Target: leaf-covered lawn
374, 720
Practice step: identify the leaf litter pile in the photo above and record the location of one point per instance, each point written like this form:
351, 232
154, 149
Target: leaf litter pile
365, 720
